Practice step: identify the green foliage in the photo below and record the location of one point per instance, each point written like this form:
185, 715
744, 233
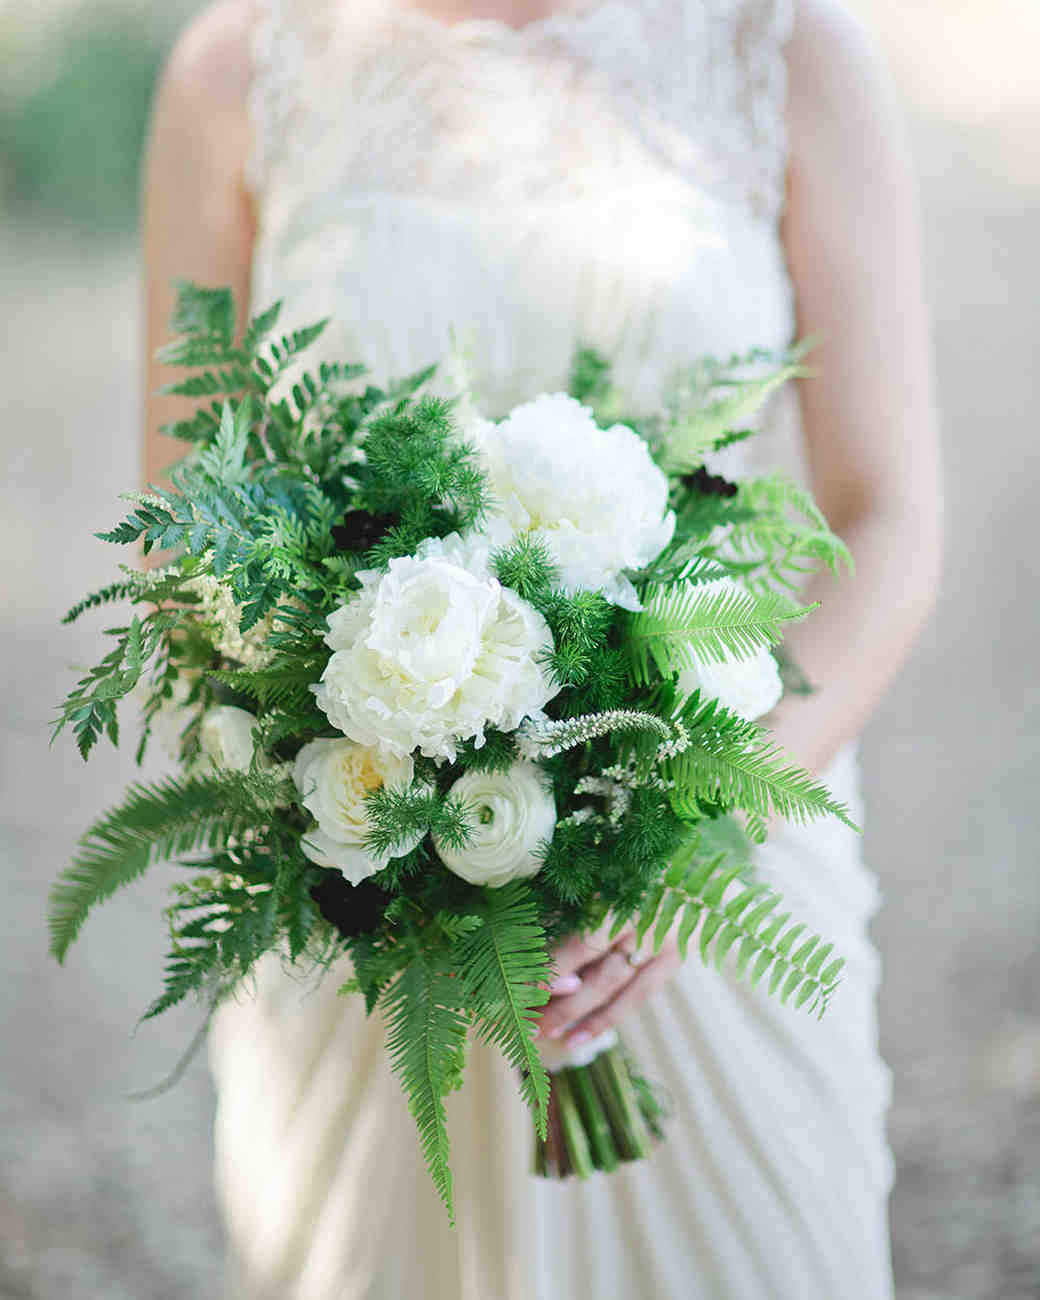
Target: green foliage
713, 400
90, 709
710, 903
527, 567
685, 624
248, 899
590, 377
780, 535
154, 588
396, 816
155, 822
418, 470
285, 684
498, 752
503, 966
426, 1034
733, 762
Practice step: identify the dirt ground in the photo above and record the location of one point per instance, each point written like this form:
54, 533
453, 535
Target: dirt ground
104, 1199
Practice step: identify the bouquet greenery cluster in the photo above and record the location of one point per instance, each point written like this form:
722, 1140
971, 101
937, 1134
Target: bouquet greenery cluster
446, 690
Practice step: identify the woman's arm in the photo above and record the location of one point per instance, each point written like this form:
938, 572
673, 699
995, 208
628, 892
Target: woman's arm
197, 216
851, 237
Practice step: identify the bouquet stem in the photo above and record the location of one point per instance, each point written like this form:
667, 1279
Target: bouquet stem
600, 1115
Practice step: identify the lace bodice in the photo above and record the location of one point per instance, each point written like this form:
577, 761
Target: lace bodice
609, 175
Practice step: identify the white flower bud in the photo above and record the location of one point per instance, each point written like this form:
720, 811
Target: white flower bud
514, 814
226, 738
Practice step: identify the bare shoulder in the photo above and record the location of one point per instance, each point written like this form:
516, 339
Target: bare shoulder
209, 70
842, 108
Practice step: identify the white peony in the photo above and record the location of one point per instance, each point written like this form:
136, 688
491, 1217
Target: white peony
432, 652
593, 496
226, 739
514, 816
333, 778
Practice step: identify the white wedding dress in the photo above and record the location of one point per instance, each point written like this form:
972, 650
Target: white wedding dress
611, 175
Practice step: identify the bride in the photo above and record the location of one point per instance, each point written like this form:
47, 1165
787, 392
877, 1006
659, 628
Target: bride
660, 179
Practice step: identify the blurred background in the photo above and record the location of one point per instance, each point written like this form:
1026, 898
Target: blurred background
103, 1199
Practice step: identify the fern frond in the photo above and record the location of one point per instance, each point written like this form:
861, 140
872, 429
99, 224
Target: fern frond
155, 822
285, 684
732, 762
783, 534
686, 624
709, 407
504, 967
710, 902
426, 1034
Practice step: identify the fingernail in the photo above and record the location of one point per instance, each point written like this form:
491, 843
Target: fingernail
565, 984
576, 1040
558, 1032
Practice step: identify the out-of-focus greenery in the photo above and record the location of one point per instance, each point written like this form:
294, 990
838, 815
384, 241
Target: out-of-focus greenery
73, 115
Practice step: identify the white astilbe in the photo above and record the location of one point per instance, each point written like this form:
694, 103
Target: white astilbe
223, 615
617, 797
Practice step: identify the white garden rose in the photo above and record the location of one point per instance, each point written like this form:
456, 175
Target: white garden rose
514, 815
432, 652
333, 778
226, 739
593, 496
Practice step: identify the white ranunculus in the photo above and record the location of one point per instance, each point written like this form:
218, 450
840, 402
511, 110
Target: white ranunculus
593, 496
431, 652
514, 815
226, 738
558, 1055
333, 778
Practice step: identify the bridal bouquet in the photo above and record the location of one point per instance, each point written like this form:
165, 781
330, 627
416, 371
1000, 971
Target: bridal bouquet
446, 690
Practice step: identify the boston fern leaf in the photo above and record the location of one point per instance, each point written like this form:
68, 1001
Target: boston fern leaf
783, 533
157, 821
503, 965
722, 401
426, 1033
733, 762
685, 624
712, 904
285, 684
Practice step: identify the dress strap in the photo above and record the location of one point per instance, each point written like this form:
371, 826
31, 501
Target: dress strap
287, 40
733, 88
762, 31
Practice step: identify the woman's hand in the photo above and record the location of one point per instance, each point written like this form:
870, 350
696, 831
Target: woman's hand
599, 982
